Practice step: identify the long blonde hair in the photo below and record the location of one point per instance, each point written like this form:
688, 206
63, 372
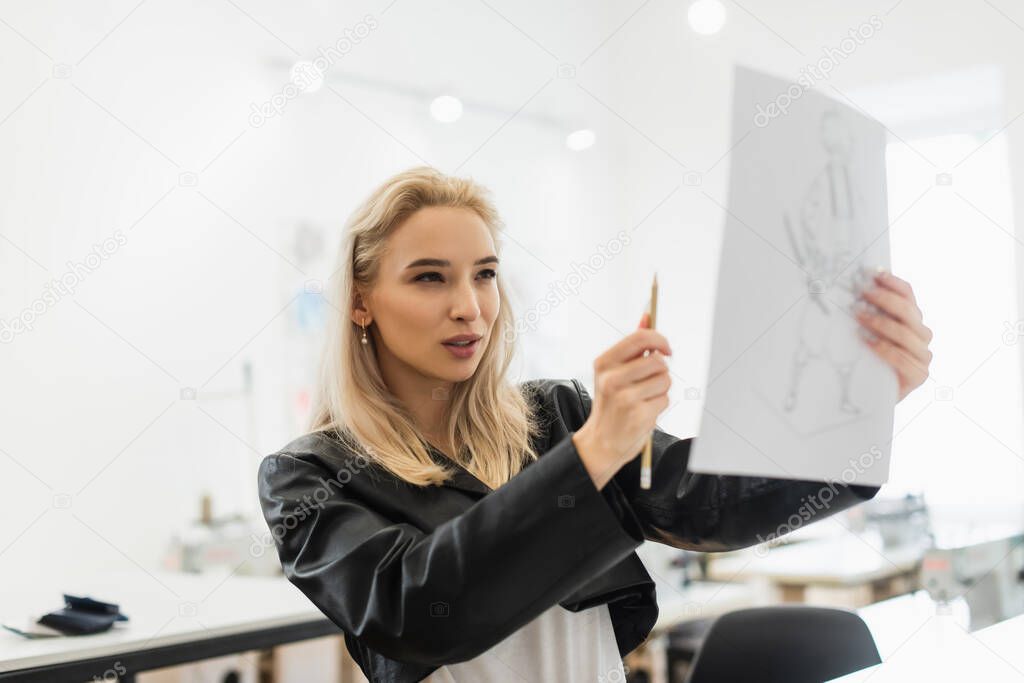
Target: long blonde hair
491, 420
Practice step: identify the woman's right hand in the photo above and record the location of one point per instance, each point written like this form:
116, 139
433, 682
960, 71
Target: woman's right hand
630, 391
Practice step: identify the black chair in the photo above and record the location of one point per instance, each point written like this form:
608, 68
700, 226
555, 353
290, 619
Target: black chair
785, 644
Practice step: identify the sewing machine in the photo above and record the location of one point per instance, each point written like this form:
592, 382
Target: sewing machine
985, 567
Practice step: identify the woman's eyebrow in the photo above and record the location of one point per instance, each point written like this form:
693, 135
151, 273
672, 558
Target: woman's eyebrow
444, 263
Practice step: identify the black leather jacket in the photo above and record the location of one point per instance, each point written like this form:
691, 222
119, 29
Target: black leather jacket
418, 577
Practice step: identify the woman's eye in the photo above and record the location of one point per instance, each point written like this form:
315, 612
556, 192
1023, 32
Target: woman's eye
489, 273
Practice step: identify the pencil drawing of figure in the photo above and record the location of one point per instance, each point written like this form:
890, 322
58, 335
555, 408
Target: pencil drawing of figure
821, 236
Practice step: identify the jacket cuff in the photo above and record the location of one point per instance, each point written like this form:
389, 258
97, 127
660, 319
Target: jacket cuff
865, 492
603, 518
620, 505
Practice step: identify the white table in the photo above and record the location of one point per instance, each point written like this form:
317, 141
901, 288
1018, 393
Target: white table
844, 570
841, 560
917, 642
173, 618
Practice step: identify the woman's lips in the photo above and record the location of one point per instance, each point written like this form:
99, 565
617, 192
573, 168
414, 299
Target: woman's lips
465, 351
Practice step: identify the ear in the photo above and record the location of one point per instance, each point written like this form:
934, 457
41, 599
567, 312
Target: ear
360, 314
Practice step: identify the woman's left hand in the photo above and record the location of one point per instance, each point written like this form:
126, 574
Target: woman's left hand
901, 337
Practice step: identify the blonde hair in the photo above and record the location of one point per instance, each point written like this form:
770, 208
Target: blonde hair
491, 420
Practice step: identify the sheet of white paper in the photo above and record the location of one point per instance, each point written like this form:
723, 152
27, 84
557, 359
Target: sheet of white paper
793, 392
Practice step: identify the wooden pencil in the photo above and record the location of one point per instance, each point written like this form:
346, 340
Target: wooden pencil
645, 457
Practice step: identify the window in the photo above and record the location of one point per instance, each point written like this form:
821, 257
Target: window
958, 438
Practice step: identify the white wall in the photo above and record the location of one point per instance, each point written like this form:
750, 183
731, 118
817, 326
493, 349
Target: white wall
208, 276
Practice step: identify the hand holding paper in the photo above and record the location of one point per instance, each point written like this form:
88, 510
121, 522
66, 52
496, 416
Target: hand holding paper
898, 335
794, 392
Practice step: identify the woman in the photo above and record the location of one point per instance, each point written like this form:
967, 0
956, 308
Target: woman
460, 528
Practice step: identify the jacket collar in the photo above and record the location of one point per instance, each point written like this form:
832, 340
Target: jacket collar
462, 478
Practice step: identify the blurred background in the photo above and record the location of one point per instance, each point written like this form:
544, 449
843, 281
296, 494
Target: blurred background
175, 178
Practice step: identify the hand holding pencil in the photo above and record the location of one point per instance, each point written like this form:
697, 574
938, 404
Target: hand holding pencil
631, 383
649, 321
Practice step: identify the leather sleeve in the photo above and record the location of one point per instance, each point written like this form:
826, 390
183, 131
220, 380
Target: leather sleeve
446, 595
708, 512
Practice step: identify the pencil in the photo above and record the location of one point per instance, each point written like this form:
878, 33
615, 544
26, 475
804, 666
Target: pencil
645, 457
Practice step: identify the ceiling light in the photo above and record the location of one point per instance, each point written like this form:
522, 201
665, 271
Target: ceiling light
446, 108
579, 140
706, 16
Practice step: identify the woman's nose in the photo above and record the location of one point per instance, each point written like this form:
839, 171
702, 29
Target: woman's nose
465, 305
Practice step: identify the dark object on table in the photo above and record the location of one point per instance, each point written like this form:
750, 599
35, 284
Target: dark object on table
82, 616
784, 644
694, 565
